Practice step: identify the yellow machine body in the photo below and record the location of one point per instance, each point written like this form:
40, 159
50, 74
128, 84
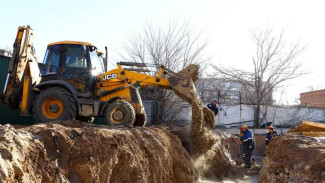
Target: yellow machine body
71, 83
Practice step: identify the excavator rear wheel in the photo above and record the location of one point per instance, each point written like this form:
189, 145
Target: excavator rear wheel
120, 113
53, 104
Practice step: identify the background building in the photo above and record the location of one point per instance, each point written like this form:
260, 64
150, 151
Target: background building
227, 92
313, 99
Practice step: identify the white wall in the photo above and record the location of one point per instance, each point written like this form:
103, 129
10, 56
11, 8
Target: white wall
279, 116
230, 114
292, 115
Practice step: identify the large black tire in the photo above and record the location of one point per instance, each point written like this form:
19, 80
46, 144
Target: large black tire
53, 104
120, 113
140, 120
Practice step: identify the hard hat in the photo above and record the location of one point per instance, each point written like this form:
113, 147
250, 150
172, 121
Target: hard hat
244, 126
270, 127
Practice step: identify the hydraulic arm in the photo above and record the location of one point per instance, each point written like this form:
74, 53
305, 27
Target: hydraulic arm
179, 82
22, 65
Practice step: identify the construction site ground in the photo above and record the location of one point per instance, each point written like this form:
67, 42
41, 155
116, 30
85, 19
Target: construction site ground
245, 175
98, 153
92, 153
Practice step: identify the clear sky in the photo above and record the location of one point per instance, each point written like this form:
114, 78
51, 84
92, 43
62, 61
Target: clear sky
226, 24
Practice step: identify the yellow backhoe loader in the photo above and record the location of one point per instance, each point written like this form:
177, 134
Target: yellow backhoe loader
72, 83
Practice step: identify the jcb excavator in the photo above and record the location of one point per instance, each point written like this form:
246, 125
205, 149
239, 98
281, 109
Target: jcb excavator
71, 83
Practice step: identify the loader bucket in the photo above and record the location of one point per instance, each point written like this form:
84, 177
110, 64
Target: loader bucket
183, 82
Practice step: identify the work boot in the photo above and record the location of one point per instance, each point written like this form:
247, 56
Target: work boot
248, 165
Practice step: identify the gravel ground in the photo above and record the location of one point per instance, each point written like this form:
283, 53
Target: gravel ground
245, 179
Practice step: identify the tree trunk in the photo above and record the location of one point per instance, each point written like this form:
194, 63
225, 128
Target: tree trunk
155, 108
257, 113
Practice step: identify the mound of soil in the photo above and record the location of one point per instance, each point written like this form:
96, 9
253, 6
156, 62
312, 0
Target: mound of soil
79, 152
311, 129
306, 126
293, 158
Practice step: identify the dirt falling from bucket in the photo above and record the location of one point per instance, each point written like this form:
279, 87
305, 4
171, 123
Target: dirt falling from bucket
210, 151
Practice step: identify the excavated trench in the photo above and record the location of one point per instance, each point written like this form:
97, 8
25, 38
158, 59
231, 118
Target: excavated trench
92, 153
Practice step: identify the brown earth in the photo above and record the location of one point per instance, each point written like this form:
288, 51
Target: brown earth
310, 134
297, 156
92, 153
306, 126
292, 158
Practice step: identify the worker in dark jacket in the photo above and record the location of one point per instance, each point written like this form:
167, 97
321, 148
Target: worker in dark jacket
213, 107
270, 134
248, 145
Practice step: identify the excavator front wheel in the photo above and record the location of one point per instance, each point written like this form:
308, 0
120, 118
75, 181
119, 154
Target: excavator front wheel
54, 103
120, 113
52, 108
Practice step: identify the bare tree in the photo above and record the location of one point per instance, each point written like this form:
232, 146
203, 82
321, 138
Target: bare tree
289, 116
274, 63
314, 87
6, 52
175, 46
9, 50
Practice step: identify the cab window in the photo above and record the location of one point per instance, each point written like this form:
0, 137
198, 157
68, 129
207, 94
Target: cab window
75, 57
51, 60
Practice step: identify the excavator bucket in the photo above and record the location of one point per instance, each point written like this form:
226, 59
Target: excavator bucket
183, 82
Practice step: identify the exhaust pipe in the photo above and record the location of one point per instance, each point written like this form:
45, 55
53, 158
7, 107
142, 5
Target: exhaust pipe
106, 60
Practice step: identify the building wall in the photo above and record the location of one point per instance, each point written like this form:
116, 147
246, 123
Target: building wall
313, 98
236, 115
227, 92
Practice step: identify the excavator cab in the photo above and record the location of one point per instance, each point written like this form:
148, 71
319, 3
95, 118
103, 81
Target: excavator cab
74, 62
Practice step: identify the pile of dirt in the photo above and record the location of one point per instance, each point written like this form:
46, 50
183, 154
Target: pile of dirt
293, 158
79, 152
311, 129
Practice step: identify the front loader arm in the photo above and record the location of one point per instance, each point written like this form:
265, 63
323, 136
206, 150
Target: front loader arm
146, 80
181, 82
